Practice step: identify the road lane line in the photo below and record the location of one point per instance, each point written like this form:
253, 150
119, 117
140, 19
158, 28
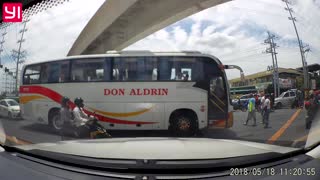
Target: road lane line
277, 135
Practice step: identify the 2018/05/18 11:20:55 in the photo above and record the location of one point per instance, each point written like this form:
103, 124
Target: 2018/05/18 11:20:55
272, 171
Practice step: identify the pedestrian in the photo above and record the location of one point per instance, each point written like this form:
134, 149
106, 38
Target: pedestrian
256, 97
251, 110
272, 101
262, 106
266, 110
300, 98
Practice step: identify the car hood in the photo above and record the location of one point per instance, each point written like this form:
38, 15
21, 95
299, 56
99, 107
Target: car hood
159, 148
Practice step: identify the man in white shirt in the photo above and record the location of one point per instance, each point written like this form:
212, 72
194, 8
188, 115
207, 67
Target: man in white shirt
267, 108
80, 117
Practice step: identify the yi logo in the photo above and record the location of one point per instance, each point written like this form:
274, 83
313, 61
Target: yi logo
12, 12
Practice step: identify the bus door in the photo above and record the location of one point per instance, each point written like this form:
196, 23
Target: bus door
217, 99
214, 83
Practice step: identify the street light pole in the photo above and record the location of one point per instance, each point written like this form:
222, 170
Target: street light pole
305, 73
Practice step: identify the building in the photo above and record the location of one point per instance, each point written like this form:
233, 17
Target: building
288, 79
314, 75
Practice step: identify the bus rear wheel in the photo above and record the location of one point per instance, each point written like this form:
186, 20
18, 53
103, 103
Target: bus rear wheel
183, 125
55, 121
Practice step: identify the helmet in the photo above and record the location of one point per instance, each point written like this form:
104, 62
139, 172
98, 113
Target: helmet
78, 101
64, 101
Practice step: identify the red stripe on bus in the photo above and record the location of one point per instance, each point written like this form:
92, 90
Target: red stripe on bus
57, 98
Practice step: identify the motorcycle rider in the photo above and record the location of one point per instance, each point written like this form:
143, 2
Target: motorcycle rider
85, 124
80, 117
65, 112
66, 118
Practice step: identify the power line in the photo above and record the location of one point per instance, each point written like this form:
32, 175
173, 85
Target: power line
258, 12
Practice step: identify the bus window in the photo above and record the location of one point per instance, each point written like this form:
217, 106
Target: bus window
179, 69
32, 75
155, 74
55, 72
44, 73
186, 74
135, 69
85, 70
151, 69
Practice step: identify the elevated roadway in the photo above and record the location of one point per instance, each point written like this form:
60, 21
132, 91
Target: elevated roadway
120, 23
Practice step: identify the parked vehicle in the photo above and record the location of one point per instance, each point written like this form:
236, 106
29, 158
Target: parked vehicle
9, 108
285, 99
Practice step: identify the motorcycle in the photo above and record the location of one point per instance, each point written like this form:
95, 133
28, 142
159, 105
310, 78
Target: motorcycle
91, 130
96, 130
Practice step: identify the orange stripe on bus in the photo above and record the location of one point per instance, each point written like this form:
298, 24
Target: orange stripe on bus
26, 99
115, 114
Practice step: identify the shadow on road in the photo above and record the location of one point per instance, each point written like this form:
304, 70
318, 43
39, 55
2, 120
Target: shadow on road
42, 128
220, 134
216, 133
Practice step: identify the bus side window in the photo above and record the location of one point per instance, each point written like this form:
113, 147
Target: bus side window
44, 73
115, 74
164, 69
85, 70
32, 75
154, 74
64, 72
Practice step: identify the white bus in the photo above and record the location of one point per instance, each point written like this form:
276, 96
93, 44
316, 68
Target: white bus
179, 91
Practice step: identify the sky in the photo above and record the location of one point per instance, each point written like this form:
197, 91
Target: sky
234, 32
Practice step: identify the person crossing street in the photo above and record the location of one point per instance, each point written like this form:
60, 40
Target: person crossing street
266, 109
251, 110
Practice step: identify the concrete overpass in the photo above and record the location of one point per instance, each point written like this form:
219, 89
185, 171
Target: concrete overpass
120, 23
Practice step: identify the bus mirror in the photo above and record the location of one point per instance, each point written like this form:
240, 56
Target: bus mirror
236, 67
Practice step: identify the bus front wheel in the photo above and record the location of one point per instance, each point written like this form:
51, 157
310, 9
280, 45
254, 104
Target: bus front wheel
183, 124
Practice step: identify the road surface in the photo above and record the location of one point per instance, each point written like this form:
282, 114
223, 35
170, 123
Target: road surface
287, 129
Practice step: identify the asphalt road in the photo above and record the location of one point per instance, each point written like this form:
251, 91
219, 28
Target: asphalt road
287, 129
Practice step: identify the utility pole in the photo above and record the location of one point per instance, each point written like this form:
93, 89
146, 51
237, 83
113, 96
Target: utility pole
271, 50
274, 46
19, 52
1, 48
6, 71
1, 43
304, 66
